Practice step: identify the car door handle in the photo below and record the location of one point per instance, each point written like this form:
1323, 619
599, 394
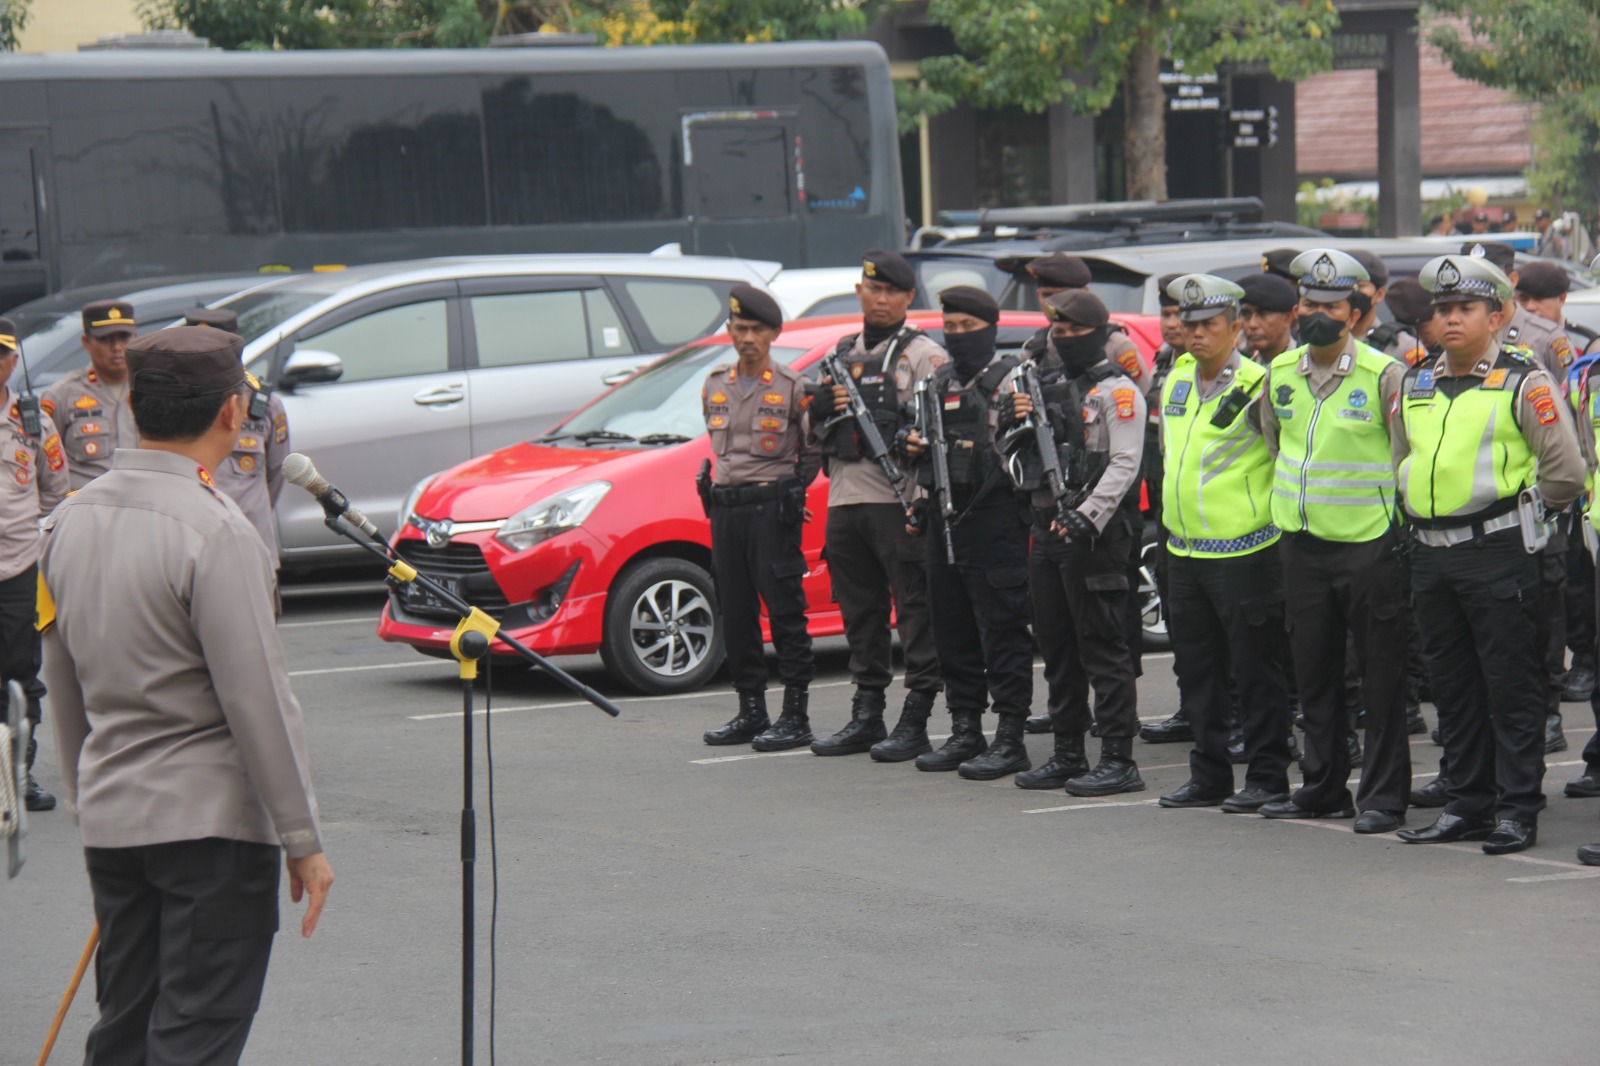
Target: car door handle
616, 377
439, 396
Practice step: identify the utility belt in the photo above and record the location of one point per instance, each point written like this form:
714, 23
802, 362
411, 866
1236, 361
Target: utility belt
740, 495
1449, 537
1522, 512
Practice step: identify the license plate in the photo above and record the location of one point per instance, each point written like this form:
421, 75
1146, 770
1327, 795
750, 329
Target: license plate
418, 596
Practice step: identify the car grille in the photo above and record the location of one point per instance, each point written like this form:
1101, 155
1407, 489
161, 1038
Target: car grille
457, 566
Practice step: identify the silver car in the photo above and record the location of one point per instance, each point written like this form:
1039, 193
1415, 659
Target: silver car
392, 371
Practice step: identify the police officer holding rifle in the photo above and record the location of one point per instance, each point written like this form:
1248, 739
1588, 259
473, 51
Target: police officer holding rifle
1078, 569
855, 414
754, 412
977, 546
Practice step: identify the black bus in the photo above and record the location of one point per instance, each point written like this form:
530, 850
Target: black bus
122, 165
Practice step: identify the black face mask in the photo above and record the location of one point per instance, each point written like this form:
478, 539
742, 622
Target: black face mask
1320, 330
970, 352
1078, 354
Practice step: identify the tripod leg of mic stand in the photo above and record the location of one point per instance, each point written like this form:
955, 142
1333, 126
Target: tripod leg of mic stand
469, 645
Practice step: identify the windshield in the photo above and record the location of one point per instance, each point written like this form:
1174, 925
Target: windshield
936, 275
659, 405
266, 309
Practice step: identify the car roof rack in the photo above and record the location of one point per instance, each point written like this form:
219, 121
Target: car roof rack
1129, 215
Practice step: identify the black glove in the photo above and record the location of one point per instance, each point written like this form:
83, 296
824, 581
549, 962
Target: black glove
1078, 528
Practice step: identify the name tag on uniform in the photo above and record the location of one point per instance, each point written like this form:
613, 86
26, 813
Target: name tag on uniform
1359, 416
1284, 413
1176, 410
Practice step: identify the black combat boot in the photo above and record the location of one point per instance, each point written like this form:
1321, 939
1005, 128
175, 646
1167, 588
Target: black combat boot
1114, 773
1416, 725
910, 736
1006, 755
793, 728
864, 729
1037, 723
745, 726
1068, 761
34, 797
1174, 729
1554, 739
1578, 685
966, 742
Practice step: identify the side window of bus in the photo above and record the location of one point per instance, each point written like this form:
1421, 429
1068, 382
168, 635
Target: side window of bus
396, 342
518, 328
676, 311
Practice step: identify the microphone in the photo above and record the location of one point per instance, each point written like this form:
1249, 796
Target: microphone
298, 470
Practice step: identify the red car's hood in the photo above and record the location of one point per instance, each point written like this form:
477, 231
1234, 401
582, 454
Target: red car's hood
498, 485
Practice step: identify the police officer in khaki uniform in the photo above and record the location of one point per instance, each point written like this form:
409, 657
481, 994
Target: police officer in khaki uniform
1078, 571
1058, 272
252, 475
33, 479
872, 559
181, 746
1546, 340
1475, 579
90, 406
754, 410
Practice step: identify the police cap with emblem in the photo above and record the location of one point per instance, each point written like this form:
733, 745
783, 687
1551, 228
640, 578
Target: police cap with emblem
1463, 279
1268, 292
968, 300
185, 361
105, 317
1060, 271
1327, 275
216, 317
8, 336
1163, 297
1542, 280
889, 268
1078, 306
1277, 262
749, 302
1499, 253
1203, 296
1377, 269
1409, 302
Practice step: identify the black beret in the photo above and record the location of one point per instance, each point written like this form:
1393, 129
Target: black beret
1542, 280
1060, 271
1409, 302
1499, 253
970, 301
1277, 262
747, 301
8, 336
1543, 212
218, 318
1268, 292
1163, 297
1377, 269
889, 268
1079, 306
185, 361
105, 317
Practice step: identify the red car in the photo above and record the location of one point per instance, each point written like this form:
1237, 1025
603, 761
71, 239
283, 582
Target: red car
591, 538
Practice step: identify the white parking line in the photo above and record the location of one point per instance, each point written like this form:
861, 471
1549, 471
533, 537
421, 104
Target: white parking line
375, 666
1092, 806
585, 703
369, 620
1570, 875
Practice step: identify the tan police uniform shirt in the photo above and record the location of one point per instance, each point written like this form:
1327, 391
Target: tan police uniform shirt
757, 426
1124, 355
1546, 422
94, 419
33, 479
252, 475
168, 687
863, 481
1546, 340
1324, 381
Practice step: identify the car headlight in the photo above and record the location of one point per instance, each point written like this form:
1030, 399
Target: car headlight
406, 508
539, 522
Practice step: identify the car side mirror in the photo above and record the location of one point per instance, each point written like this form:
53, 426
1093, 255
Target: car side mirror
309, 366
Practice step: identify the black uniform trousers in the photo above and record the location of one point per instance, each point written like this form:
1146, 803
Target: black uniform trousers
980, 607
873, 561
1479, 607
185, 934
1080, 594
1226, 617
1580, 596
1553, 634
1134, 624
756, 559
20, 647
1362, 589
1591, 750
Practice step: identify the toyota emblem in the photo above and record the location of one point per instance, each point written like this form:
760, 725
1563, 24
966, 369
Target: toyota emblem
439, 533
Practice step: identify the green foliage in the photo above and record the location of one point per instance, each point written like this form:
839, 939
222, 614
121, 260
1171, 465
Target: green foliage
1542, 49
297, 24
13, 20
769, 20
1316, 199
1565, 173
1035, 53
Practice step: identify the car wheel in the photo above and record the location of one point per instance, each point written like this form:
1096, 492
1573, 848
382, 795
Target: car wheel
1152, 613
663, 627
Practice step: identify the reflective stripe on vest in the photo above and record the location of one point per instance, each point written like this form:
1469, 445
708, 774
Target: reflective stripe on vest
1334, 476
1216, 492
1467, 454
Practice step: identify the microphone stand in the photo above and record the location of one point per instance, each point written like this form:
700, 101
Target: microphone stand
469, 644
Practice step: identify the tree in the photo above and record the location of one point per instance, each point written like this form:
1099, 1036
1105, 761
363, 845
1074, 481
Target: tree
297, 24
13, 20
1035, 53
617, 22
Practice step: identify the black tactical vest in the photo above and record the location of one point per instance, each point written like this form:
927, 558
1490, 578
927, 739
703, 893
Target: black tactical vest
874, 379
972, 461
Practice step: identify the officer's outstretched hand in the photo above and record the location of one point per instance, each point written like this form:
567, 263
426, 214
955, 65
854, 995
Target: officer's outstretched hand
310, 873
1075, 527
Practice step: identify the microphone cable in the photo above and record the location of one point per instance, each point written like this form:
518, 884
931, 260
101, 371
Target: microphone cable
494, 851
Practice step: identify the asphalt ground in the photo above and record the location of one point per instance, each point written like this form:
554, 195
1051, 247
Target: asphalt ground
662, 902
